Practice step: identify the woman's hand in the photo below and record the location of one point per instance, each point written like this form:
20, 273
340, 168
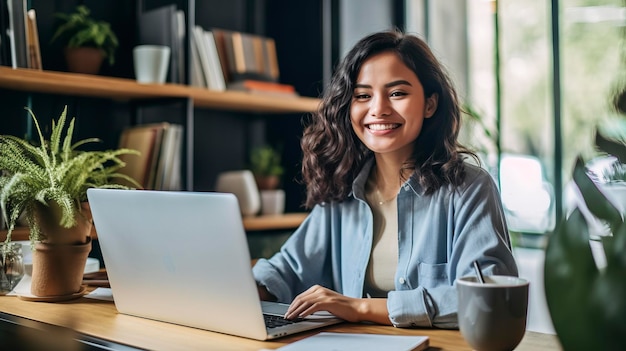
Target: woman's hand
319, 298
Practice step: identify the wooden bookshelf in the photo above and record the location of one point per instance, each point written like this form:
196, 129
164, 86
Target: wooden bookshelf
126, 90
122, 89
257, 223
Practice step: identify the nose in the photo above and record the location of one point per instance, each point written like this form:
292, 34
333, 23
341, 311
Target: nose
380, 107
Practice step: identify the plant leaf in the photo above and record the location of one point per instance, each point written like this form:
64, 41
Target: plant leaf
568, 274
607, 309
596, 202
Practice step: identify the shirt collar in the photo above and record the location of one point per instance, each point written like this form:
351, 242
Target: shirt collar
358, 185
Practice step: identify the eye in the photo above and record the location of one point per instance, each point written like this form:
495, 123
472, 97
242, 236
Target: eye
398, 93
361, 96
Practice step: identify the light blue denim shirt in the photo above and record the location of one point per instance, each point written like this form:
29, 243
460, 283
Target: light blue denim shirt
439, 236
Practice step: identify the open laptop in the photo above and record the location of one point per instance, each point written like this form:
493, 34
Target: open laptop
183, 258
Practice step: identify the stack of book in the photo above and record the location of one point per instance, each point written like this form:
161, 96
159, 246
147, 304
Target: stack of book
158, 165
231, 60
19, 38
206, 66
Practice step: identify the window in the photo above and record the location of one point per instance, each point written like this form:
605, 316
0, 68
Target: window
540, 120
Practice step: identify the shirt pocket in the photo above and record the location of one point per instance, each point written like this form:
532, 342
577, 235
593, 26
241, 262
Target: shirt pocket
432, 275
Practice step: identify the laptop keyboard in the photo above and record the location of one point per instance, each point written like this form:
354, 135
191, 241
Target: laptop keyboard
272, 321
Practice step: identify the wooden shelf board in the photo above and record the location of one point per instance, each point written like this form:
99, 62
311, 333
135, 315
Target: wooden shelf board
258, 223
128, 89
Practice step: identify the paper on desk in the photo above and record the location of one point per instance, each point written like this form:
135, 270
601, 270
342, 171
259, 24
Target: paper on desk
101, 294
361, 342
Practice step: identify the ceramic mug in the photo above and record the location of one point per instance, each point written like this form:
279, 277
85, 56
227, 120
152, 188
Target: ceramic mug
272, 202
492, 315
151, 63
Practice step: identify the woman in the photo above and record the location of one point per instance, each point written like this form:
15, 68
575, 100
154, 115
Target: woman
397, 215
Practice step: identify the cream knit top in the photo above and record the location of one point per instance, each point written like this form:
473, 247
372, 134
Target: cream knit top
381, 269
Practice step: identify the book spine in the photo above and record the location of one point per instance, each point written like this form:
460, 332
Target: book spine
17, 28
34, 51
5, 48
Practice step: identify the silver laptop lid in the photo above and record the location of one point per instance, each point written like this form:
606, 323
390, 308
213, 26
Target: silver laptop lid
178, 257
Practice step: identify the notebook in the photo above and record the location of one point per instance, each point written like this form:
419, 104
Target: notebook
183, 258
361, 342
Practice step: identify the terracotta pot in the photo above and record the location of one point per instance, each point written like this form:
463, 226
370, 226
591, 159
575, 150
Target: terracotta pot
267, 182
59, 258
48, 219
58, 268
84, 60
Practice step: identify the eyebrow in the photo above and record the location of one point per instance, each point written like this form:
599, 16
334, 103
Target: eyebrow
388, 85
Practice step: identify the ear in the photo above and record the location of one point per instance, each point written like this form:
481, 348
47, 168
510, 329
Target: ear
431, 104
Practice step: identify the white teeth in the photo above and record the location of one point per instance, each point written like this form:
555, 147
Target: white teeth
382, 126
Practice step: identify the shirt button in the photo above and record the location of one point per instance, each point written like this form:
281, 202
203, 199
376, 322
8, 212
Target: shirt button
401, 280
406, 187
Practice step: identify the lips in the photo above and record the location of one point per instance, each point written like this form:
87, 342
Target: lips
382, 126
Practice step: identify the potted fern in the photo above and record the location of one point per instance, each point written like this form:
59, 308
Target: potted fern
87, 41
47, 183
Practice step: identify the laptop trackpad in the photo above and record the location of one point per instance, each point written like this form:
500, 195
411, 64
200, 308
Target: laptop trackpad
279, 309
274, 308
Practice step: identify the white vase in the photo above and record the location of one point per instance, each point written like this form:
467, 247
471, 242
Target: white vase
243, 185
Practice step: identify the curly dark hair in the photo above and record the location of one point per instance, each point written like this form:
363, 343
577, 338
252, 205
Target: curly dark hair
334, 155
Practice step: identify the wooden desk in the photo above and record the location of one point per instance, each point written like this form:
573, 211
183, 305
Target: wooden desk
100, 319
274, 222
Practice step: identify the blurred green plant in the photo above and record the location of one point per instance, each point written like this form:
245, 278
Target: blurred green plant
265, 161
79, 29
587, 303
475, 116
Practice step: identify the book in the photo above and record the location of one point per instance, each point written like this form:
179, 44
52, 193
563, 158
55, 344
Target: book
168, 162
34, 51
361, 342
220, 37
271, 61
237, 52
160, 27
198, 78
246, 56
173, 177
260, 86
202, 57
5, 47
217, 76
147, 140
209, 59
17, 33
180, 44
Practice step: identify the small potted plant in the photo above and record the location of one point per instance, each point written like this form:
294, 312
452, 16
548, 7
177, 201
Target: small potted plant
265, 164
87, 41
48, 183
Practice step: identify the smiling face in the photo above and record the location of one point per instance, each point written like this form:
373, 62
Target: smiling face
388, 105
